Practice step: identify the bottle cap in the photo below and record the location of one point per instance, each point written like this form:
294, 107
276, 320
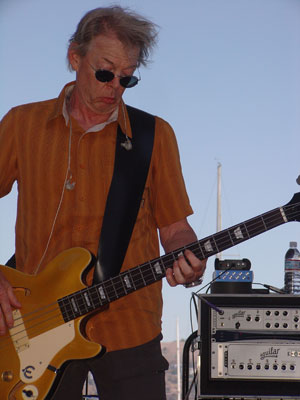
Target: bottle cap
293, 244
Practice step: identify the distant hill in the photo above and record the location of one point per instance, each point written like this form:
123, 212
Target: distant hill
169, 350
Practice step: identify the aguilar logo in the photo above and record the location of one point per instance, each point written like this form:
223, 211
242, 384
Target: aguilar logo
239, 314
272, 352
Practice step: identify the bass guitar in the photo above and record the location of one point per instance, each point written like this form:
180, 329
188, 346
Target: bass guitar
48, 329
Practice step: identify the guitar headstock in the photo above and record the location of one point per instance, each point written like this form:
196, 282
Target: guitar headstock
292, 209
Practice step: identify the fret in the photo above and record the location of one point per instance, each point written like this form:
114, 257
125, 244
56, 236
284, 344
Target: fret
202, 251
87, 299
102, 293
83, 309
121, 288
64, 307
238, 233
142, 276
74, 305
263, 221
208, 246
159, 270
95, 297
232, 239
128, 282
213, 237
224, 240
195, 248
232, 242
136, 276
71, 308
153, 273
114, 288
283, 214
162, 264
130, 279
123, 285
245, 226
179, 254
147, 273
273, 219
168, 260
68, 313
256, 226
83, 304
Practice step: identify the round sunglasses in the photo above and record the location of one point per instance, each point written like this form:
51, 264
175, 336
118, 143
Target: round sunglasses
127, 81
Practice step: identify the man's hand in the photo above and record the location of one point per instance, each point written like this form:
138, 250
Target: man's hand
8, 302
188, 268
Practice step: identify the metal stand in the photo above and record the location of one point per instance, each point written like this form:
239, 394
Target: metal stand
186, 386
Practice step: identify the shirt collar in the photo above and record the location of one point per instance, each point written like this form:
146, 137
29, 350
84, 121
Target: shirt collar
120, 114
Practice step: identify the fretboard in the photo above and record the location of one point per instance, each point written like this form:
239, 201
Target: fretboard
97, 296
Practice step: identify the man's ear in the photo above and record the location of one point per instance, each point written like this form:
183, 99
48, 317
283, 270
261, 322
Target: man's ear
73, 56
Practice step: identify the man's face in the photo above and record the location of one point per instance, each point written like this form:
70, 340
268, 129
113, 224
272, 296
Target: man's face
105, 52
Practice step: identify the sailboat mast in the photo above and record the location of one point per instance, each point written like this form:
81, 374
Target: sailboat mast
219, 207
178, 361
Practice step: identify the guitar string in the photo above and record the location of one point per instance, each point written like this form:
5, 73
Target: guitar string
115, 289
112, 289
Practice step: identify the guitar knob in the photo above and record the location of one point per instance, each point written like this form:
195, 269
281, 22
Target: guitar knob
7, 376
30, 392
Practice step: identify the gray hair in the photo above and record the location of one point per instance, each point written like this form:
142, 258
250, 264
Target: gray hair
130, 28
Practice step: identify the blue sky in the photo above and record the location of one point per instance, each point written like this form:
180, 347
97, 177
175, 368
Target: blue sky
225, 74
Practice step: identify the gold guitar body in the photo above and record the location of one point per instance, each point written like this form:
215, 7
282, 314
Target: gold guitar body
40, 341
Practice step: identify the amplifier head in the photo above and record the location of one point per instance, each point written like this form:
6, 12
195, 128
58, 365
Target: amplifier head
249, 346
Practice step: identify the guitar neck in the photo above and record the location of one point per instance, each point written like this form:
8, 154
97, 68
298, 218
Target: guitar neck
94, 297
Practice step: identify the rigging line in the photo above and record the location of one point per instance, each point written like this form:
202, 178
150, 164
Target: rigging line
207, 207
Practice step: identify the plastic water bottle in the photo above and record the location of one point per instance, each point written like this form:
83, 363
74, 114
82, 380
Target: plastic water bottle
292, 269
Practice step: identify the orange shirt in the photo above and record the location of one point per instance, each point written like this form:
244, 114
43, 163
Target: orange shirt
34, 143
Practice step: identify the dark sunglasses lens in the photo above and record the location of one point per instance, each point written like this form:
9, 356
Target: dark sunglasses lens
104, 76
129, 81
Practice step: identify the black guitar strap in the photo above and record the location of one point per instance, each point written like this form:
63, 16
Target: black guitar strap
125, 194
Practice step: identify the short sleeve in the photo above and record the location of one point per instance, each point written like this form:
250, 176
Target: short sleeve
8, 157
170, 199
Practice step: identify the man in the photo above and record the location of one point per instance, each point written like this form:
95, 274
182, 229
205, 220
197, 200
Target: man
61, 152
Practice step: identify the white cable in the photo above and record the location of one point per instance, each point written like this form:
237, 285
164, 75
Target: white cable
60, 201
